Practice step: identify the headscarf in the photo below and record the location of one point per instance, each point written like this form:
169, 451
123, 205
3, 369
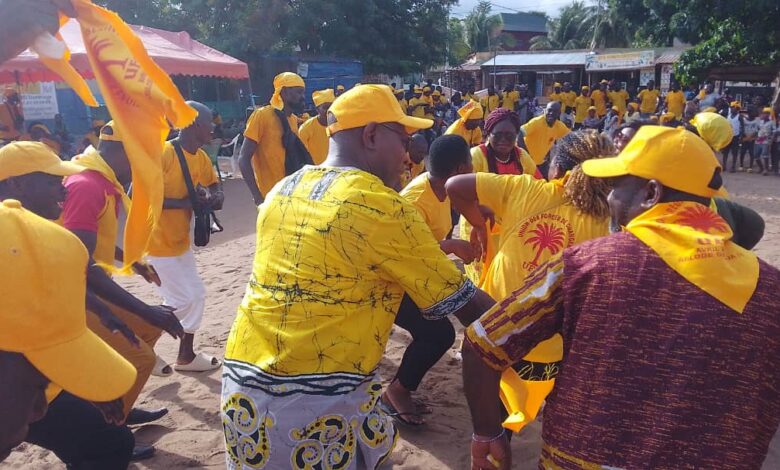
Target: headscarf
713, 129
493, 119
471, 110
323, 96
282, 81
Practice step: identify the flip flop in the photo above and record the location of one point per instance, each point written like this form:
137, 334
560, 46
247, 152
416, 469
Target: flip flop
201, 363
161, 368
423, 408
390, 411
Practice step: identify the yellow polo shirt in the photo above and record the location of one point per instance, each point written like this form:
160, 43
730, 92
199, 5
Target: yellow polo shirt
539, 137
171, 235
489, 104
268, 161
315, 139
568, 98
619, 99
648, 100
436, 213
581, 105
675, 103
600, 102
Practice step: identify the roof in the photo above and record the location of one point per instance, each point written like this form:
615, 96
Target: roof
538, 59
524, 22
669, 56
175, 52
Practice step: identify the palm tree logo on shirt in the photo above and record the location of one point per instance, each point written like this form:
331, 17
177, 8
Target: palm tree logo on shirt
702, 219
545, 237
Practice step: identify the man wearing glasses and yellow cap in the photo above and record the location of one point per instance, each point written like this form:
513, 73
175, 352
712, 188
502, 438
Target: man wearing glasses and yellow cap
270, 133
337, 250
654, 320
46, 350
313, 132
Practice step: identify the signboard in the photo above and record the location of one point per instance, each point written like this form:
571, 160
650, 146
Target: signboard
622, 61
645, 75
39, 101
666, 77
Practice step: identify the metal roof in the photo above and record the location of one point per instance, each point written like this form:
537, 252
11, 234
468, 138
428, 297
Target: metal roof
524, 22
668, 56
539, 59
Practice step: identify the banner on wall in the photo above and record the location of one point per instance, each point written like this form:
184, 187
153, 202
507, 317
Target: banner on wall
621, 61
645, 75
39, 100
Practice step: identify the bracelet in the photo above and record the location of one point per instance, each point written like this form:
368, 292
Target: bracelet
481, 440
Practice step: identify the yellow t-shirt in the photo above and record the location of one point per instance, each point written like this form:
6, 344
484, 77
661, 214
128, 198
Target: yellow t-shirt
404, 104
619, 99
600, 102
556, 97
510, 98
436, 213
418, 111
336, 251
171, 235
648, 100
268, 161
675, 103
315, 139
489, 104
473, 137
568, 98
581, 105
539, 137
536, 223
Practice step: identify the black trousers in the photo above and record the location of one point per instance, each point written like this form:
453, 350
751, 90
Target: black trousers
77, 433
749, 148
430, 340
731, 149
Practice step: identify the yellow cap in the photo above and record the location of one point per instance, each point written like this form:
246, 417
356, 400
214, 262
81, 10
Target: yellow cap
399, 91
436, 93
42, 307
675, 157
667, 117
767, 110
114, 136
426, 88
556, 85
735, 104
592, 108
282, 81
615, 108
585, 87
370, 103
418, 89
340, 87
323, 96
714, 129
709, 109
471, 110
633, 106
23, 157
605, 82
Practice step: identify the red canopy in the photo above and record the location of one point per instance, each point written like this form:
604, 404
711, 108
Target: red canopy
176, 53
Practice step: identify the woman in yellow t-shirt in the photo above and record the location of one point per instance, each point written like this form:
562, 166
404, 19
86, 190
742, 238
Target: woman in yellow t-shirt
467, 126
539, 220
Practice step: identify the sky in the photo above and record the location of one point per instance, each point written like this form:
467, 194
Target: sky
551, 7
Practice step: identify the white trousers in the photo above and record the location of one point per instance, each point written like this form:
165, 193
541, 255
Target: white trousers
182, 288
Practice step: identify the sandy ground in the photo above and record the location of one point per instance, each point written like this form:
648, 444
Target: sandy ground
191, 437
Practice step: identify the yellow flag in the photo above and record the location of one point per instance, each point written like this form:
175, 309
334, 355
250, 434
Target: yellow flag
142, 99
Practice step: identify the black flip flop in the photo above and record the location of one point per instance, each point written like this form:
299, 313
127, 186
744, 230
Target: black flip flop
390, 411
423, 408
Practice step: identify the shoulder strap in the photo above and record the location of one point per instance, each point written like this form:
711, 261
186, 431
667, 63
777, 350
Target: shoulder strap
185, 171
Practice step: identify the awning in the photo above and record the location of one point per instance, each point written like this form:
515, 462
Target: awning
670, 56
539, 59
175, 52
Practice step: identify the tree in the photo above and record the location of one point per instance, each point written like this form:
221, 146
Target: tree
610, 29
457, 48
482, 27
572, 29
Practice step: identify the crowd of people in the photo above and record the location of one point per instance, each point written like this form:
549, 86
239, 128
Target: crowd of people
608, 286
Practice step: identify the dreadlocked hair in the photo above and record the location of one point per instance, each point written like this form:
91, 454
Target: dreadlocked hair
587, 194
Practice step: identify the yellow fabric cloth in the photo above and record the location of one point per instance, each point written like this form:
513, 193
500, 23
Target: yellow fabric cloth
600, 102
510, 98
539, 137
141, 98
714, 129
108, 226
475, 271
171, 236
648, 100
696, 242
324, 301
675, 103
323, 96
418, 111
473, 137
471, 110
489, 104
568, 98
619, 99
436, 213
581, 105
264, 128
315, 138
282, 81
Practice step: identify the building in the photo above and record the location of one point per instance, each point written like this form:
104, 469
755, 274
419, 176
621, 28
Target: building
522, 27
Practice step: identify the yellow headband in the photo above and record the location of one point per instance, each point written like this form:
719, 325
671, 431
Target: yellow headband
323, 96
282, 81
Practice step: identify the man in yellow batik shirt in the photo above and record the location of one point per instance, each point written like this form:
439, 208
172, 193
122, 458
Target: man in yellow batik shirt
675, 101
313, 132
599, 96
337, 250
581, 105
263, 153
169, 248
649, 100
471, 115
618, 97
491, 102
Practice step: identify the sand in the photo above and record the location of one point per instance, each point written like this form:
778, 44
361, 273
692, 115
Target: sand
191, 436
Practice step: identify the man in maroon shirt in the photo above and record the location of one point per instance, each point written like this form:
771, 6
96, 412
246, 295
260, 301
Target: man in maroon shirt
671, 331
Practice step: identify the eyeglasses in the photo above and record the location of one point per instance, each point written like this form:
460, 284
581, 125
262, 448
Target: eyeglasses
508, 136
406, 139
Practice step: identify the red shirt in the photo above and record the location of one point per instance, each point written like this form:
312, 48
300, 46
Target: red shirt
86, 200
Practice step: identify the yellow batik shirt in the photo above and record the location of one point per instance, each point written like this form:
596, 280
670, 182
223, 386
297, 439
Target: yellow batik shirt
315, 139
336, 251
436, 213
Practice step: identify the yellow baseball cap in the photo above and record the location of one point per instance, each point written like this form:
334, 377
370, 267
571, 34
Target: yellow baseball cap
418, 89
370, 103
426, 88
615, 108
42, 307
714, 129
114, 136
591, 108
24, 157
767, 110
471, 110
556, 85
633, 106
340, 87
436, 93
323, 96
585, 87
675, 157
735, 104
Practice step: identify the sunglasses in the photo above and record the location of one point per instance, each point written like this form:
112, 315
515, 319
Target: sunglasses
508, 136
405, 137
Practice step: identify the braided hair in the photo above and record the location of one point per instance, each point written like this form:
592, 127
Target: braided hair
495, 118
587, 194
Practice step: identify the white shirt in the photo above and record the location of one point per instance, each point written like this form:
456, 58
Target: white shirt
735, 124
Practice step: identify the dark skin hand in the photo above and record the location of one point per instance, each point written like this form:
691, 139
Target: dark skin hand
462, 191
146, 271
109, 320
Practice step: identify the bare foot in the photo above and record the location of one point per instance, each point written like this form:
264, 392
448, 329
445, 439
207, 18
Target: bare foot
401, 399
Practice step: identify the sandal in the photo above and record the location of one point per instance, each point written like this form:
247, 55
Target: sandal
201, 363
423, 408
390, 411
161, 368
